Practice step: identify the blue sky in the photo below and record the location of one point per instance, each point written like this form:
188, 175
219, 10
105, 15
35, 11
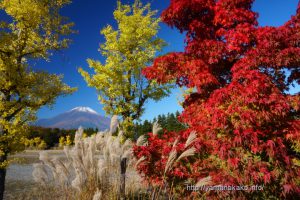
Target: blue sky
90, 16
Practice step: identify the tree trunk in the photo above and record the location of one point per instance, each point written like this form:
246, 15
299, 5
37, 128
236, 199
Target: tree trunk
2, 170
123, 166
2, 177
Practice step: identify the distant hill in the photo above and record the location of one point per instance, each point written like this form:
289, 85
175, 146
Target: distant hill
79, 116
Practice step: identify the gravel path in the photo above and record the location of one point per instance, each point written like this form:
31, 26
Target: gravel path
19, 173
21, 170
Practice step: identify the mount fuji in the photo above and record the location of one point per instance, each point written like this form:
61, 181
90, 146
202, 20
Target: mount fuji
72, 119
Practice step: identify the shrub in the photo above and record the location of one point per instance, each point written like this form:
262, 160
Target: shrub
35, 143
165, 163
67, 141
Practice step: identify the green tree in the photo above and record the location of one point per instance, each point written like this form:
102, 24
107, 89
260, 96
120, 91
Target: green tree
162, 120
171, 122
146, 127
168, 123
32, 30
122, 88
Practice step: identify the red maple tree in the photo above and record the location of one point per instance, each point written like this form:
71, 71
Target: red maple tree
247, 124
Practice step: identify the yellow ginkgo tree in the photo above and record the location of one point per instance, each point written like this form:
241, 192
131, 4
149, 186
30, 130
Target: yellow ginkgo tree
29, 30
122, 88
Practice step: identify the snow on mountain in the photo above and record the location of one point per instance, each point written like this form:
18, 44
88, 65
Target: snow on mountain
79, 116
84, 109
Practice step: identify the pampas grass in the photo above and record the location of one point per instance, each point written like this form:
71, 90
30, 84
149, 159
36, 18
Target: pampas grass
91, 169
175, 143
141, 141
140, 160
156, 128
171, 159
40, 174
187, 153
204, 181
114, 124
191, 139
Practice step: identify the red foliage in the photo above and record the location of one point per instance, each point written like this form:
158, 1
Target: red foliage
241, 111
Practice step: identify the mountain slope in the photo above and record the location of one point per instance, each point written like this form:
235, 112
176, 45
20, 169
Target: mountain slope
79, 116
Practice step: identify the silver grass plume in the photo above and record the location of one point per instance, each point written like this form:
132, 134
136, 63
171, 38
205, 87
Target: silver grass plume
102, 166
127, 144
171, 159
203, 181
175, 143
127, 154
99, 137
140, 160
95, 158
62, 170
191, 139
40, 174
156, 128
67, 152
141, 140
44, 156
78, 182
78, 135
114, 124
172, 156
187, 153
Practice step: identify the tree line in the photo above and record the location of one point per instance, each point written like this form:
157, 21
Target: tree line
168, 122
51, 136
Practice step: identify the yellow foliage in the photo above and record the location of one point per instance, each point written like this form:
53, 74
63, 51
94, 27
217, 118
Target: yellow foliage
62, 141
65, 141
35, 29
68, 140
122, 88
4, 164
35, 143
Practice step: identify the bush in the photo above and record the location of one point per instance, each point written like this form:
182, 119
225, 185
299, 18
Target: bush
165, 163
35, 143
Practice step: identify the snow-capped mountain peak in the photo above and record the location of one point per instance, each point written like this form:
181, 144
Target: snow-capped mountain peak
84, 109
72, 119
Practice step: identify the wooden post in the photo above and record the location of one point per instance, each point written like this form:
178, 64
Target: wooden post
123, 166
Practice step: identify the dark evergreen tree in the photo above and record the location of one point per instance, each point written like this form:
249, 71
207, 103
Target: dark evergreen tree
168, 122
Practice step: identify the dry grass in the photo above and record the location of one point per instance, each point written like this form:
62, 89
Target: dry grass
92, 168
